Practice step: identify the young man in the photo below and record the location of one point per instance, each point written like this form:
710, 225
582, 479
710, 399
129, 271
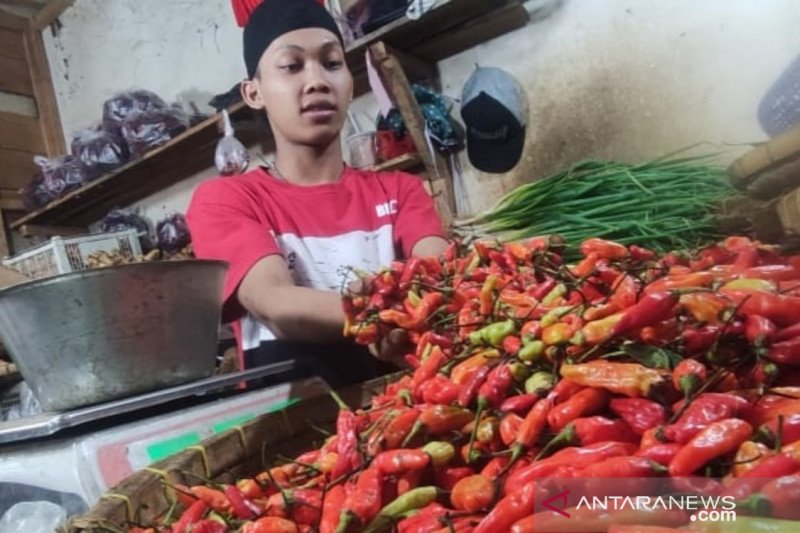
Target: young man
292, 233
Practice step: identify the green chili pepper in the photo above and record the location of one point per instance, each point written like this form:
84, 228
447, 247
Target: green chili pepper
748, 524
493, 334
440, 452
413, 499
531, 352
540, 383
557, 292
519, 371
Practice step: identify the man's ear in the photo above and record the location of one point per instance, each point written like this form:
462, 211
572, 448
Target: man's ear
251, 94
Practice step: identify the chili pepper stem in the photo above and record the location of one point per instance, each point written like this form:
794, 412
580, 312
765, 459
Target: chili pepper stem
415, 429
338, 400
565, 437
478, 413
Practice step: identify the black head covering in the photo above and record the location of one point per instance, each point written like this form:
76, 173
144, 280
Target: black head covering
273, 18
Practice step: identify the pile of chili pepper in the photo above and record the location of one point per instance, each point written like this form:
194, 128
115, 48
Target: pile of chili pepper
624, 365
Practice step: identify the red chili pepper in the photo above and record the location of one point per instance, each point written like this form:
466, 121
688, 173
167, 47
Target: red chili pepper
495, 467
583, 403
629, 379
699, 339
782, 494
408, 481
395, 432
564, 390
576, 457
271, 524
414, 321
788, 333
410, 270
695, 280
216, 499
427, 520
512, 344
782, 430
532, 427
640, 254
446, 478
363, 501
768, 468
203, 526
629, 466
521, 403
759, 330
439, 390
241, 507
782, 310
487, 296
704, 410
190, 516
472, 493
429, 367
590, 430
604, 249
640, 414
688, 376
493, 390
714, 441
347, 441
508, 510
544, 288
441, 419
662, 454
332, 504
651, 309
509, 428
786, 352
398, 461
470, 388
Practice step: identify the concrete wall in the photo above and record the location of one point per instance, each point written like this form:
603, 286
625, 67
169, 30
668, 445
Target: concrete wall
622, 79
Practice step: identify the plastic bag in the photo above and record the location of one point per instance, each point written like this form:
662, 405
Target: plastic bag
231, 156
56, 177
23, 403
33, 517
172, 234
117, 108
145, 130
99, 150
122, 219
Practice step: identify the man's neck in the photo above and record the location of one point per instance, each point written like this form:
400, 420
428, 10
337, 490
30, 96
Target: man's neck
309, 165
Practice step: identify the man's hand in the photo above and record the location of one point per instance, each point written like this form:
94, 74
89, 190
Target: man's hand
392, 347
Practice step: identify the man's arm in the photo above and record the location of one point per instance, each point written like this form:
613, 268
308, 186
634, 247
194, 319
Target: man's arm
290, 312
432, 246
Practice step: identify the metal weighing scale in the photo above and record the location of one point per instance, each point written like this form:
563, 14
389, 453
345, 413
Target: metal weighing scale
73, 458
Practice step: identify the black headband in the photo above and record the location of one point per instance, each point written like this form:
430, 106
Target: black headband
273, 18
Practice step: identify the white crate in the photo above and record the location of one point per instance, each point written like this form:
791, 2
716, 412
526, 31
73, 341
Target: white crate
70, 254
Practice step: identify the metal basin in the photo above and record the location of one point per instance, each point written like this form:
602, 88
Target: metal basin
93, 336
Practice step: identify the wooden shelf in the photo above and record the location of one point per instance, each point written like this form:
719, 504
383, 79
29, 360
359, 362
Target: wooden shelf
404, 162
187, 154
450, 27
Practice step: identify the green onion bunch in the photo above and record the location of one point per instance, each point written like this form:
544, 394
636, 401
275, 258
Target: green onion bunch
665, 204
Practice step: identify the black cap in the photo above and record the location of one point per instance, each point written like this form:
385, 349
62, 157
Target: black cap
494, 110
273, 18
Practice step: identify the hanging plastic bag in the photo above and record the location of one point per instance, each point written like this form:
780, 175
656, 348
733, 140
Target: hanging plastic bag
146, 130
117, 108
33, 517
231, 156
122, 219
99, 150
172, 234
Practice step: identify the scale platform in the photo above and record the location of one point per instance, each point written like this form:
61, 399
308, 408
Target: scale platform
73, 458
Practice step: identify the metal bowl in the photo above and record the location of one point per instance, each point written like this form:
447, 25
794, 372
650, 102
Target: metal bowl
93, 336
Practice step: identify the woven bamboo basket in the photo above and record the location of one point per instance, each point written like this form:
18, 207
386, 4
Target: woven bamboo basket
242, 451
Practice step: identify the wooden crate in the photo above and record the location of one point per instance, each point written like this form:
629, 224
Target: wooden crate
239, 452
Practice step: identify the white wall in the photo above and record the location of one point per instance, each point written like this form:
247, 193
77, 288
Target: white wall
623, 79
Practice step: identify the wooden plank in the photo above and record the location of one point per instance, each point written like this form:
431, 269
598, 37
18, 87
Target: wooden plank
34, 230
10, 21
15, 78
184, 156
473, 32
50, 12
404, 162
399, 89
18, 132
11, 44
39, 71
404, 33
16, 168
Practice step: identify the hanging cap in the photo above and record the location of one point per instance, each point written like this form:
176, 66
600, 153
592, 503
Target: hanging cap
273, 18
494, 108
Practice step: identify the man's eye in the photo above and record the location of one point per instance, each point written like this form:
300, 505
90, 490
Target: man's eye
333, 65
291, 67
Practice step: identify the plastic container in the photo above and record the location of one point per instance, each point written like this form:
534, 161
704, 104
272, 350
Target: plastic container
779, 108
361, 149
71, 254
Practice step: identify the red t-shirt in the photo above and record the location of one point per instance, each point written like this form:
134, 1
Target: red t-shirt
364, 221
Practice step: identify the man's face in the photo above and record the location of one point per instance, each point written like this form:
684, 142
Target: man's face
305, 86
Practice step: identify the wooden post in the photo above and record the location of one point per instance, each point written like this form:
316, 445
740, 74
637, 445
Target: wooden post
399, 89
